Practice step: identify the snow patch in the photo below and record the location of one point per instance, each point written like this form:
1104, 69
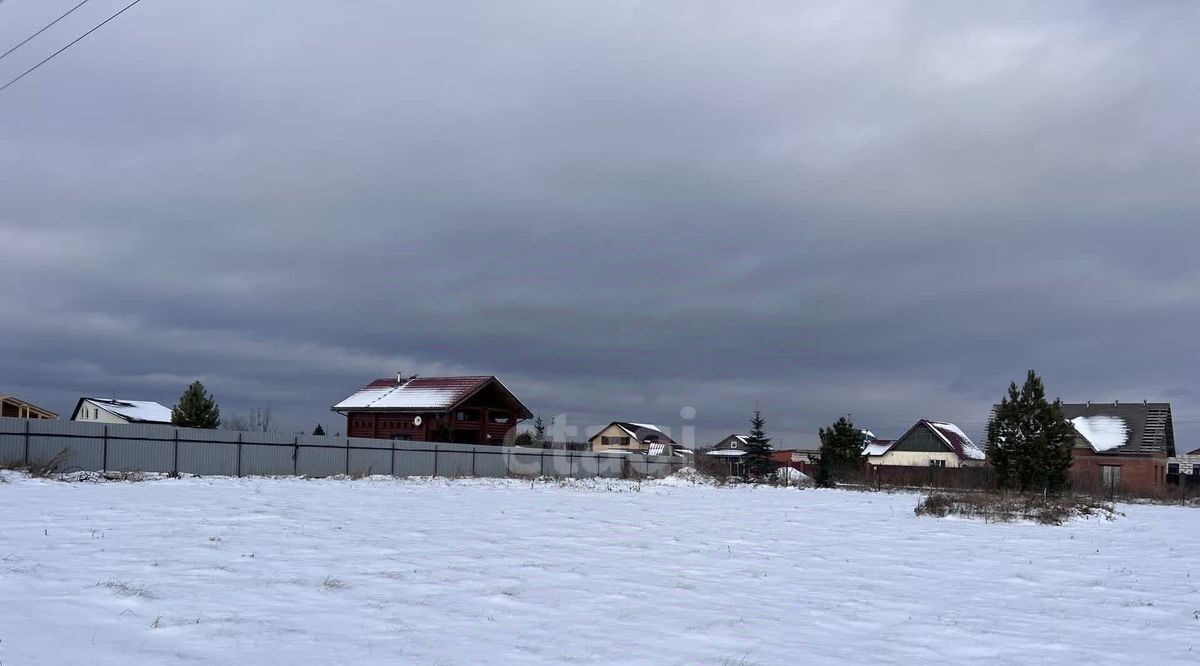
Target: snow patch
260, 572
1105, 433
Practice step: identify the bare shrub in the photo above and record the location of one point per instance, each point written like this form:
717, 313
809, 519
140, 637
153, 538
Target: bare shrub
1006, 508
125, 589
330, 583
43, 469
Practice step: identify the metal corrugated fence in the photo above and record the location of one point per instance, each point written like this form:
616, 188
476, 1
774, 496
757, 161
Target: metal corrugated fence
96, 447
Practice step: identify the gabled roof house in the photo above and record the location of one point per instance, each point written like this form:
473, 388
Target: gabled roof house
1120, 445
927, 444
634, 437
108, 410
732, 446
467, 410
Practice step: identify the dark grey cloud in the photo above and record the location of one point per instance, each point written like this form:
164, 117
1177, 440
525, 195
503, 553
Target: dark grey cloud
620, 208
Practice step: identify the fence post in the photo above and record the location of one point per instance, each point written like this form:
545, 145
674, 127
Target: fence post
473, 450
392, 462
542, 462
104, 451
26, 442
239, 455
296, 455
435, 459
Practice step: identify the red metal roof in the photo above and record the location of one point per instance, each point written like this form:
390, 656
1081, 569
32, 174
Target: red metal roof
956, 438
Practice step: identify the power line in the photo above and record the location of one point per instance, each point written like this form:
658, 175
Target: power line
72, 43
44, 29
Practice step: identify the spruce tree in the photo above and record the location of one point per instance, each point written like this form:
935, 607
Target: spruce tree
841, 452
1028, 440
196, 409
758, 449
319, 431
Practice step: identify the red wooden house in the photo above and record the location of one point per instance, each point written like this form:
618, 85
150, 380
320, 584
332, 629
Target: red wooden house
465, 410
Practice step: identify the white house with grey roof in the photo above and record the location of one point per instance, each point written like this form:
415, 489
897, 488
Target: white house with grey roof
108, 410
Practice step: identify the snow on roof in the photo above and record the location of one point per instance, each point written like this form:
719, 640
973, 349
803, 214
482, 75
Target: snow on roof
433, 393
958, 440
1104, 433
741, 439
632, 428
877, 447
726, 452
141, 411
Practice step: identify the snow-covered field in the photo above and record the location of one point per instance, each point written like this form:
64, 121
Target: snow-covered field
288, 571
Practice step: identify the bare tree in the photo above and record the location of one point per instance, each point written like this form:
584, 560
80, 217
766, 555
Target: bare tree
258, 419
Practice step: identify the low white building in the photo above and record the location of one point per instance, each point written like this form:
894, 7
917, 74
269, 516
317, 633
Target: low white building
107, 410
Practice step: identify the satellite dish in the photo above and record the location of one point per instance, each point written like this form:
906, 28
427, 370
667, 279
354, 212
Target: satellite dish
417, 421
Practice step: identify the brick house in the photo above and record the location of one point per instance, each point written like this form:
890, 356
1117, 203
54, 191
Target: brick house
465, 410
1120, 446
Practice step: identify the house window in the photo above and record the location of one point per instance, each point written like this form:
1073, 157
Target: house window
733, 445
937, 463
466, 415
1110, 476
1172, 468
1196, 470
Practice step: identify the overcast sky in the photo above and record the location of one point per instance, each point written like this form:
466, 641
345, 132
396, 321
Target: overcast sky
619, 208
